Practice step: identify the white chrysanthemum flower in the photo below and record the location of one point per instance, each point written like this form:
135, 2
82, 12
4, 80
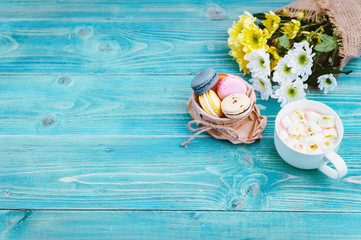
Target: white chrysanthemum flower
304, 45
326, 82
262, 85
291, 91
283, 72
275, 88
301, 59
259, 63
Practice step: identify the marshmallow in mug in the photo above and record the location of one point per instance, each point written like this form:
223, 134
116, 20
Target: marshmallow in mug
308, 131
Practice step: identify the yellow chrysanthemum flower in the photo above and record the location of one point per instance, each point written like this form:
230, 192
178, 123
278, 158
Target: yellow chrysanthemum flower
238, 55
300, 15
271, 23
249, 15
284, 12
274, 51
276, 42
315, 37
274, 63
242, 62
234, 40
275, 56
237, 27
252, 37
291, 29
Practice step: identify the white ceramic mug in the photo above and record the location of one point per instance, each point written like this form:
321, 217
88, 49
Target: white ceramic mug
312, 160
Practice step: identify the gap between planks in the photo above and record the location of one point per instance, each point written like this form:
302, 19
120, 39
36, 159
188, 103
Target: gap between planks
75, 74
172, 210
129, 136
114, 19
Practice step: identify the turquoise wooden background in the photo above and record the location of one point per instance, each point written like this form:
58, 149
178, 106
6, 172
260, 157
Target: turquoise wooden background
93, 112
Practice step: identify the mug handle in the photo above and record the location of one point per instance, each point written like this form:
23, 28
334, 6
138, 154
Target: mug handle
338, 163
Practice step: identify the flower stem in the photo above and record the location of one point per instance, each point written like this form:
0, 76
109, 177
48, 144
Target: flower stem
334, 54
317, 30
276, 35
316, 57
308, 25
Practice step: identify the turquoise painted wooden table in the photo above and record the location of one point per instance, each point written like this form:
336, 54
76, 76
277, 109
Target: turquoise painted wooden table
93, 112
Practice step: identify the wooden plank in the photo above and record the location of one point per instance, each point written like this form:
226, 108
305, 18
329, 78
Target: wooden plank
130, 105
178, 225
104, 172
132, 47
117, 47
127, 9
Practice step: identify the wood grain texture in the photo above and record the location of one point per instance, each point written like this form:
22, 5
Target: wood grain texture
92, 113
112, 47
130, 105
86, 172
177, 225
128, 9
117, 47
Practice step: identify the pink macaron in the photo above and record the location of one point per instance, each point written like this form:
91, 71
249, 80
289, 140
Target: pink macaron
230, 85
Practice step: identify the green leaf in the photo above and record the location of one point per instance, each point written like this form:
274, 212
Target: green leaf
338, 71
260, 16
326, 70
328, 43
319, 70
284, 41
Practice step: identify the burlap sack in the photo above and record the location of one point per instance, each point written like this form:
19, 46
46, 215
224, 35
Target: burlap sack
245, 130
345, 15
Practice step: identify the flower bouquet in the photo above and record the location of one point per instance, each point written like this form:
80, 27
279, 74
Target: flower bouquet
291, 50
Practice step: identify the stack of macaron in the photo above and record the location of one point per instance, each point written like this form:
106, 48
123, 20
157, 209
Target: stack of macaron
221, 94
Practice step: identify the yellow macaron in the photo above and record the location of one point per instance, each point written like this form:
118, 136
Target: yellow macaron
211, 103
